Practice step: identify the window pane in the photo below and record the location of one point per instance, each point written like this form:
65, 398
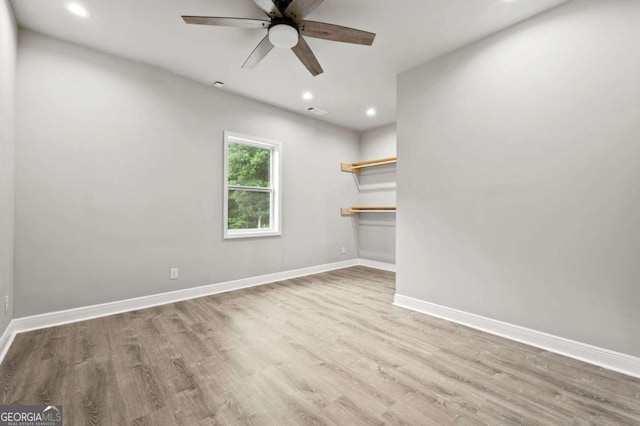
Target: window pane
249, 165
249, 210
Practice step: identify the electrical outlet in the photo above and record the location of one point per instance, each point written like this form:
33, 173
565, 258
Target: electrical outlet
343, 251
173, 273
6, 304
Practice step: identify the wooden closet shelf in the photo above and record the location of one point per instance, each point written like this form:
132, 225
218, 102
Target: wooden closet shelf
353, 211
357, 167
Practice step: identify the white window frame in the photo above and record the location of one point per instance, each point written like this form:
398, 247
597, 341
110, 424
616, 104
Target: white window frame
275, 189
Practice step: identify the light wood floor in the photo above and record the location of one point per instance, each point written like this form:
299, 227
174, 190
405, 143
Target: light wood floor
325, 349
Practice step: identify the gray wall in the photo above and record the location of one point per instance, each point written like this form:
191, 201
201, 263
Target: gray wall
8, 40
519, 187
377, 185
119, 178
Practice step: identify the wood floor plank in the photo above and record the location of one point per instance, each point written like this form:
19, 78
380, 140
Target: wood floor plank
327, 349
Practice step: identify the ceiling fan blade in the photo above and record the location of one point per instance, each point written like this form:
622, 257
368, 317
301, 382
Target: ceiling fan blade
336, 33
306, 56
299, 9
258, 53
227, 22
269, 8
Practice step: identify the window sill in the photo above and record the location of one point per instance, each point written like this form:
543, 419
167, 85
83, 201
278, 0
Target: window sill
251, 234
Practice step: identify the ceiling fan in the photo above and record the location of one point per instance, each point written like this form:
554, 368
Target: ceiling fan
286, 26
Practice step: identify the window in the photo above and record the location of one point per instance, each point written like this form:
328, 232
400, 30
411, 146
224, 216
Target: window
252, 196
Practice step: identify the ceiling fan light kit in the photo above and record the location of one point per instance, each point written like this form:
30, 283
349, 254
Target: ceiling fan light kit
286, 27
283, 36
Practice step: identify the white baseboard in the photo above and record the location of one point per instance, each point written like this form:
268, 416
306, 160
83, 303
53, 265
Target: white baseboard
377, 265
52, 319
6, 339
616, 361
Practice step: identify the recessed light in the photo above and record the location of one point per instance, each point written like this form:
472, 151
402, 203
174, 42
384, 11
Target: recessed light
371, 112
307, 96
77, 10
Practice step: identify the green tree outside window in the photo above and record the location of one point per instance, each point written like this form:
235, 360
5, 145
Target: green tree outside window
249, 180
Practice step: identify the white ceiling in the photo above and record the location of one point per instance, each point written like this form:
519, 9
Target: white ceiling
409, 33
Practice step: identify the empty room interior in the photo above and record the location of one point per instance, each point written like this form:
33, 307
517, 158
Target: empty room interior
340, 212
